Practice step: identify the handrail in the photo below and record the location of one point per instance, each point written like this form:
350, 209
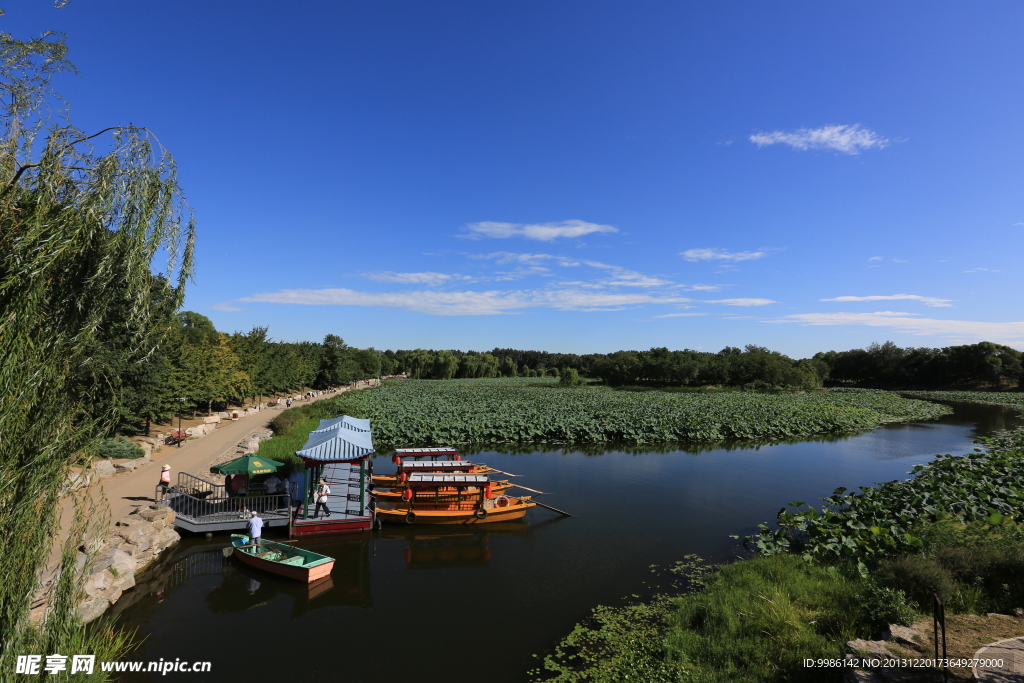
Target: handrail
939, 621
208, 508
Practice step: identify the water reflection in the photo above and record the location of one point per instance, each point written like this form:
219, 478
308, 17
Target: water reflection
633, 507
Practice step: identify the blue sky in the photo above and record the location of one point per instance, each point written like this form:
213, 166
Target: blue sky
580, 176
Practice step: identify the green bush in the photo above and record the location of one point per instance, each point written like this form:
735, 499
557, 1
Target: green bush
570, 378
884, 606
977, 567
119, 449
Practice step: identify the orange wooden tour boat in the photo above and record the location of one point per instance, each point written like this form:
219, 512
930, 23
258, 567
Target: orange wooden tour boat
439, 498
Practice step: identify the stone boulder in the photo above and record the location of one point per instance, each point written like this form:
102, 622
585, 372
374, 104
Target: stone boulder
165, 538
125, 465
903, 635
158, 516
213, 419
77, 480
92, 609
98, 582
875, 649
104, 469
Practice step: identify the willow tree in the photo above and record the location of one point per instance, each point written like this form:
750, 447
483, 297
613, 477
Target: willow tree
83, 232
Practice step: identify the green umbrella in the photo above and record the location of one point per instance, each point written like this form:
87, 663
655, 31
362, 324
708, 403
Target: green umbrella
248, 464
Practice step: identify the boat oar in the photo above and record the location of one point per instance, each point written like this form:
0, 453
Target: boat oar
519, 486
226, 552
561, 512
491, 469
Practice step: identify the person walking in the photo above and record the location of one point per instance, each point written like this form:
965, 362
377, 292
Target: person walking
165, 481
254, 527
322, 491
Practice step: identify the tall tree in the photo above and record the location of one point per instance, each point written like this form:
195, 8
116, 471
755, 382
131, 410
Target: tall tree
79, 234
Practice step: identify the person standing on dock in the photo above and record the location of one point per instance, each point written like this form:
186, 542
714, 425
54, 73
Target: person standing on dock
254, 527
322, 491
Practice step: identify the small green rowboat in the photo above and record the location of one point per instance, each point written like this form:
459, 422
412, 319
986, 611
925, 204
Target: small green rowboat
281, 559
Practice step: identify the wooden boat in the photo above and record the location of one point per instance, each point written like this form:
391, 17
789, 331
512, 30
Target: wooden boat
281, 559
411, 467
432, 452
437, 498
395, 493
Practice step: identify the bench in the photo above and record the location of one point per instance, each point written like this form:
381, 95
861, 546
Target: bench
176, 437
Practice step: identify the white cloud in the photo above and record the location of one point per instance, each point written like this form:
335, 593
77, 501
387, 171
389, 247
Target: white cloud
226, 306
427, 278
1009, 333
702, 288
467, 303
982, 270
877, 258
627, 278
743, 302
722, 255
677, 315
617, 275
842, 138
926, 300
545, 232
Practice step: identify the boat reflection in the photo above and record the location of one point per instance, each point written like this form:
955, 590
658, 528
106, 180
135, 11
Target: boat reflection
245, 588
441, 547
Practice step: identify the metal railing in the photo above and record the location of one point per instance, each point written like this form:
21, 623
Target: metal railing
939, 623
197, 500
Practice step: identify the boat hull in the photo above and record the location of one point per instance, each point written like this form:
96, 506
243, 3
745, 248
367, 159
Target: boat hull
297, 572
398, 514
395, 493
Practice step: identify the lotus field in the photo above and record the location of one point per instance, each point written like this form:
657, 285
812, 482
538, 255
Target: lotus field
1013, 399
433, 412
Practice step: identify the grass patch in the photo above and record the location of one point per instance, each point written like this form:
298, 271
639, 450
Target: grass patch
292, 427
754, 621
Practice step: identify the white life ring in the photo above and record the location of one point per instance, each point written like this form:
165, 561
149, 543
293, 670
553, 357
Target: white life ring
502, 502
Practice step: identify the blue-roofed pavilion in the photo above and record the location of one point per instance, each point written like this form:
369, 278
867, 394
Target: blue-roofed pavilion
332, 452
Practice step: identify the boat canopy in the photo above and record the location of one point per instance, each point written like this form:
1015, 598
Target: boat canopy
338, 440
449, 479
433, 465
434, 450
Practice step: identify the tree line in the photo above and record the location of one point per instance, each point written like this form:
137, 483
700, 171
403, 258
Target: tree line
982, 365
194, 367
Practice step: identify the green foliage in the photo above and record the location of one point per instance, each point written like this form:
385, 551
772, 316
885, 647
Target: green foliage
883, 606
570, 378
511, 411
1001, 398
117, 449
292, 427
80, 232
752, 621
886, 364
976, 567
758, 619
879, 522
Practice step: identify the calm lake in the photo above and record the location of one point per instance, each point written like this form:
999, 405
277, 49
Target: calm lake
441, 604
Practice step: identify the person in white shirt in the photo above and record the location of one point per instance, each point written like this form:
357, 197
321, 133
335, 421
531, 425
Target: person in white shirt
322, 491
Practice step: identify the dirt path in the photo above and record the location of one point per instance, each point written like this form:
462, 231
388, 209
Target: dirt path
125, 492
